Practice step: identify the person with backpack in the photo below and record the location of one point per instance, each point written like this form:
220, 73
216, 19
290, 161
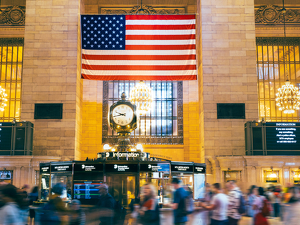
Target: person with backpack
237, 205
54, 211
149, 210
260, 207
178, 205
218, 206
106, 204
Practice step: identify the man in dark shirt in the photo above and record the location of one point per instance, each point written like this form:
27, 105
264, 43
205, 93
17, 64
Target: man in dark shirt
180, 218
106, 204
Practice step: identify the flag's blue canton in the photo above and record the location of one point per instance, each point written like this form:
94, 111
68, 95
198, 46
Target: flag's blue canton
103, 32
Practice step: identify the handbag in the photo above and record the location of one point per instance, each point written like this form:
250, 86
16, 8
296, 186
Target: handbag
260, 219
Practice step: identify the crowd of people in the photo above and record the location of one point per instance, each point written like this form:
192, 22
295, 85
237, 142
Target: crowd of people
229, 204
223, 206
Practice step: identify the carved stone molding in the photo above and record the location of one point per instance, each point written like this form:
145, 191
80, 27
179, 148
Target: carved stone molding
12, 16
146, 10
271, 14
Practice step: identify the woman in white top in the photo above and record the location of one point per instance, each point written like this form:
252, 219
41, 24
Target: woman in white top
10, 212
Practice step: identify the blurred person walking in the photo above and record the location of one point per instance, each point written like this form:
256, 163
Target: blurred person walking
149, 210
277, 201
251, 198
106, 205
77, 216
234, 198
178, 205
33, 196
292, 208
10, 211
54, 212
260, 206
218, 206
207, 199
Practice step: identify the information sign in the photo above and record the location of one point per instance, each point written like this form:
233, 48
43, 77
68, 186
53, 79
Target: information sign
45, 169
61, 168
283, 136
84, 167
199, 169
155, 167
181, 168
121, 168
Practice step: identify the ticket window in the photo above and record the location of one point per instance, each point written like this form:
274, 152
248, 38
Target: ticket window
66, 180
6, 176
271, 176
232, 175
122, 187
159, 180
186, 179
296, 176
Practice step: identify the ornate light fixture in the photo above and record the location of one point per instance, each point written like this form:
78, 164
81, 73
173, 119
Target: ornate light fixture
3, 99
141, 96
287, 96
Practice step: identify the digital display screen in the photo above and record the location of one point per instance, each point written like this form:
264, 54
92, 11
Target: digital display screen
121, 168
86, 190
5, 175
283, 136
199, 186
5, 136
181, 168
155, 167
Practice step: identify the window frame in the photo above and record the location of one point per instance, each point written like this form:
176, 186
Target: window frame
144, 139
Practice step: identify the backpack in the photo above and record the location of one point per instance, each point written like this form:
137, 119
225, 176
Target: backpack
188, 206
242, 206
49, 215
265, 211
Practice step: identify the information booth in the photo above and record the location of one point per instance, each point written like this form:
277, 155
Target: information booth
124, 178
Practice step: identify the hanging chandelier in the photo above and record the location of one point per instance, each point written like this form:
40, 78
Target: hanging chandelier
3, 99
141, 96
287, 96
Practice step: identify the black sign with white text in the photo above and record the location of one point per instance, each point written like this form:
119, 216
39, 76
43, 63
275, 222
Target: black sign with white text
283, 136
199, 169
155, 167
181, 168
81, 167
61, 168
121, 168
45, 168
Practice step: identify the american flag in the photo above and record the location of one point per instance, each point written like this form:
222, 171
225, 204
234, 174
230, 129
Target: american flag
138, 47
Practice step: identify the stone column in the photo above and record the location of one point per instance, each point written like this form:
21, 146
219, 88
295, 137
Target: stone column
229, 71
50, 73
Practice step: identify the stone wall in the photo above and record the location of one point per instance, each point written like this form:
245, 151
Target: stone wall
229, 71
50, 72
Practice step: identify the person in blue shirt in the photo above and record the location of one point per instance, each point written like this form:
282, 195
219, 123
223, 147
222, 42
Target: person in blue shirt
180, 218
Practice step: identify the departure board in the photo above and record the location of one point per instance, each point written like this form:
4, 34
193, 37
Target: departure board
86, 190
5, 136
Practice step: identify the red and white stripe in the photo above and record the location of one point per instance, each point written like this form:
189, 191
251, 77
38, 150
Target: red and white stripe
158, 47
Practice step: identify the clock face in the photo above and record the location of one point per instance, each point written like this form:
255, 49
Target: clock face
122, 114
